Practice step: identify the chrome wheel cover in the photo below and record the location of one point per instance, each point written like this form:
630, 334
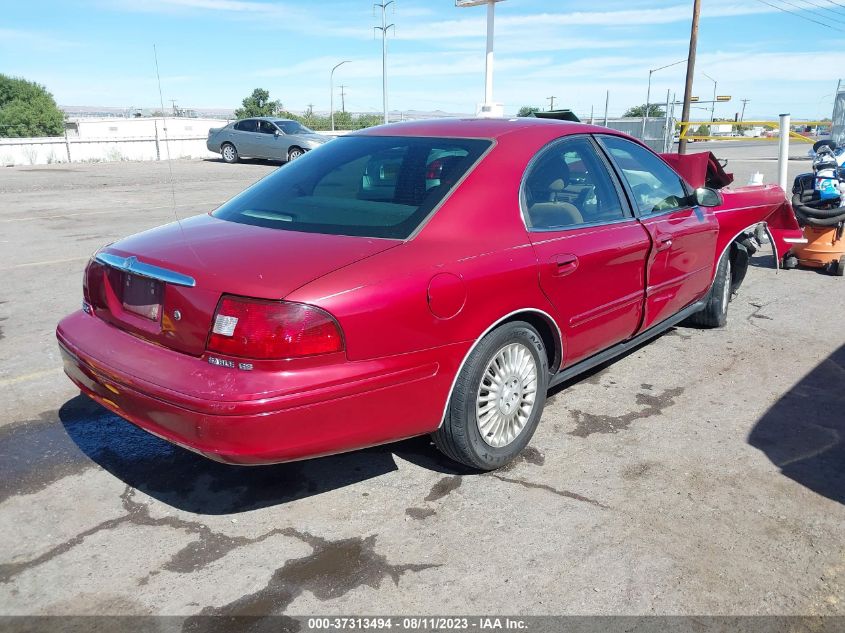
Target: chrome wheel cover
295, 153
506, 395
229, 152
726, 296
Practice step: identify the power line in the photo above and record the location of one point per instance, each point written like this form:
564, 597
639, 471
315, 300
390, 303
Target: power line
824, 8
798, 15
815, 12
836, 4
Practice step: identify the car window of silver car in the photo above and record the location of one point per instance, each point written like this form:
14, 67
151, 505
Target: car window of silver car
247, 125
265, 127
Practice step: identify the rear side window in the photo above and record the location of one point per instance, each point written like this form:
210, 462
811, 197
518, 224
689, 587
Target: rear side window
655, 186
248, 125
568, 185
373, 186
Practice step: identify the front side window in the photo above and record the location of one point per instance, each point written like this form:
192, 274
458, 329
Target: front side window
374, 186
265, 127
568, 185
293, 127
655, 187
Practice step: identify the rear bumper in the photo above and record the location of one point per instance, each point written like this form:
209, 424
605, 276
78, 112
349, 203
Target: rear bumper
375, 402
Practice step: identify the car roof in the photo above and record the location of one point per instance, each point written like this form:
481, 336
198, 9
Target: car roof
481, 128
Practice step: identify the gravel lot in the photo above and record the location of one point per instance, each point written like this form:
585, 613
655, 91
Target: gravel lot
703, 473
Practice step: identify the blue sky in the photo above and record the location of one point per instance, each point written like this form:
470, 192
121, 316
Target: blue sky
212, 53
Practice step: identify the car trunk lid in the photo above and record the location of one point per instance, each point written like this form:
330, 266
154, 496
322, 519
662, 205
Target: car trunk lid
164, 284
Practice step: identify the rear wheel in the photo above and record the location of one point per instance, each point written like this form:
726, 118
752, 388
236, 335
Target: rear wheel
715, 312
497, 400
229, 153
839, 267
294, 153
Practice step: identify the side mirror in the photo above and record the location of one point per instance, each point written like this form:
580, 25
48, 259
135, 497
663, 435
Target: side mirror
277, 132
707, 197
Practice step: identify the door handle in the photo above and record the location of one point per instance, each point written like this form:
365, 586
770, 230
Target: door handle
664, 243
564, 264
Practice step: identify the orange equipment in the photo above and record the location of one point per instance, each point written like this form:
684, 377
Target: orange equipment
825, 248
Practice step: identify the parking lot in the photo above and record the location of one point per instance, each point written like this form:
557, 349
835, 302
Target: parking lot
703, 473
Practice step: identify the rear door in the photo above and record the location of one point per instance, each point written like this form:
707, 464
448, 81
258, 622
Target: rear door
683, 235
246, 137
591, 249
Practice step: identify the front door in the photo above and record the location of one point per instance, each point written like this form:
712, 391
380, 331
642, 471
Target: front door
683, 235
591, 250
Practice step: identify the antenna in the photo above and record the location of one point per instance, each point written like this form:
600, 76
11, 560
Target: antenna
169, 164
166, 140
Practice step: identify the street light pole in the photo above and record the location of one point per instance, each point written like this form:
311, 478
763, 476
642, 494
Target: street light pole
648, 92
331, 90
384, 28
713, 104
487, 106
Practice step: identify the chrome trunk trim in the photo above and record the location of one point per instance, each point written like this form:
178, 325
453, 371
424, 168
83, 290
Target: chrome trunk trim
132, 265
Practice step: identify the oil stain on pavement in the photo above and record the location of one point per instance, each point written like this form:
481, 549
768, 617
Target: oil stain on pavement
589, 423
333, 569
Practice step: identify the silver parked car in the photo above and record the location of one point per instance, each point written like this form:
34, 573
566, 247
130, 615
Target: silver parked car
263, 137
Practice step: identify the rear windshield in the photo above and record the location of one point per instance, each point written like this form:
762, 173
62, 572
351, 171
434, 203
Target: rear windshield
373, 186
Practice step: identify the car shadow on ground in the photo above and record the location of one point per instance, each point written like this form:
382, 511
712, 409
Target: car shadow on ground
803, 433
250, 161
193, 483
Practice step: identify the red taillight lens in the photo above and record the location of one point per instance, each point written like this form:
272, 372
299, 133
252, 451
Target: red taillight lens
434, 169
258, 329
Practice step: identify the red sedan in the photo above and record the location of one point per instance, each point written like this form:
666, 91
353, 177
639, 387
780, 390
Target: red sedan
426, 277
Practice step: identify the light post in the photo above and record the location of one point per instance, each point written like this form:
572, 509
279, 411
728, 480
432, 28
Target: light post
648, 92
712, 105
384, 28
488, 106
331, 90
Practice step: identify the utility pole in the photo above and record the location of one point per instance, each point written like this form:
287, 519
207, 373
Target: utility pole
606, 104
342, 99
384, 28
742, 114
693, 44
551, 101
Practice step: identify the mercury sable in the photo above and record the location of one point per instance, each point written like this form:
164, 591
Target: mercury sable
419, 278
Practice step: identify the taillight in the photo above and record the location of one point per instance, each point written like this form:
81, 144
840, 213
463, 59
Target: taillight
93, 268
434, 169
261, 329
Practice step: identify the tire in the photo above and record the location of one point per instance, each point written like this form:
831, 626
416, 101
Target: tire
839, 267
294, 153
486, 426
715, 312
790, 262
229, 153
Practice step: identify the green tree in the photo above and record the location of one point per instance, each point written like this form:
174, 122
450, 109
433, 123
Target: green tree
654, 110
527, 110
27, 109
259, 104
703, 130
